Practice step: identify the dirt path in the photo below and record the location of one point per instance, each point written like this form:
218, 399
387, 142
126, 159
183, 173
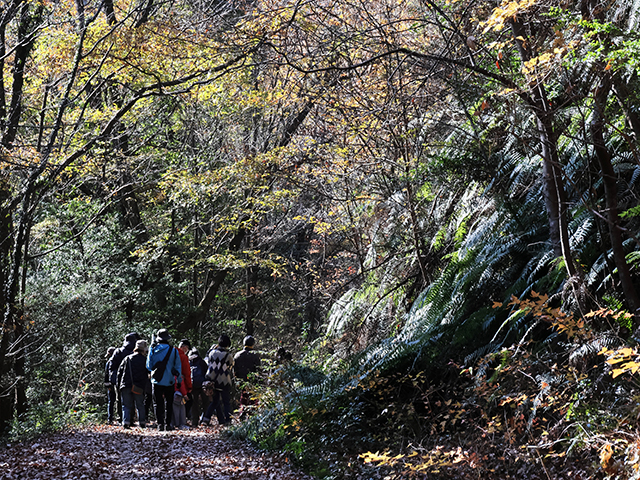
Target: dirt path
111, 453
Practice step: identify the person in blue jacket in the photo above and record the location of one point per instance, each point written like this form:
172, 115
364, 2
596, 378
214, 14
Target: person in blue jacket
162, 377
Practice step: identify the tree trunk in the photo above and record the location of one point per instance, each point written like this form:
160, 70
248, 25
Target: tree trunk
145, 13
12, 314
81, 21
6, 334
554, 192
627, 105
25, 41
609, 180
110, 12
198, 316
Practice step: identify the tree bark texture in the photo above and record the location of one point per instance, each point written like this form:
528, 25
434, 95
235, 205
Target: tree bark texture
7, 333
609, 180
554, 191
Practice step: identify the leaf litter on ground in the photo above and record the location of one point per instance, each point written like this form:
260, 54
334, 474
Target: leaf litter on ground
105, 452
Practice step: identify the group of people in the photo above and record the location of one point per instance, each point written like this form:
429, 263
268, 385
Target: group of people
177, 381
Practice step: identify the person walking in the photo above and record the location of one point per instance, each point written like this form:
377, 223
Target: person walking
163, 361
120, 353
132, 379
199, 399
116, 359
183, 387
111, 388
183, 349
179, 400
246, 361
220, 372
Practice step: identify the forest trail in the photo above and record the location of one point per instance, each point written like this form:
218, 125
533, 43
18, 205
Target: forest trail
104, 452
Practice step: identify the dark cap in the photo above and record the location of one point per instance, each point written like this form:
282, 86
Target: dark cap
249, 341
163, 335
224, 341
186, 342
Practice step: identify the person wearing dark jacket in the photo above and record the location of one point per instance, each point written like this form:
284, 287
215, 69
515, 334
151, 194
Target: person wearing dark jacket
111, 389
133, 373
163, 382
199, 399
246, 361
120, 353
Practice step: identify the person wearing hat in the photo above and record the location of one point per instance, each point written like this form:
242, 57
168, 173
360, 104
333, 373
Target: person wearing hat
132, 380
220, 372
118, 355
246, 361
163, 361
125, 350
111, 391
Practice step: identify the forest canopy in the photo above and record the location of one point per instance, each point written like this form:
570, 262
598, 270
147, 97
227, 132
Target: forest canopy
381, 187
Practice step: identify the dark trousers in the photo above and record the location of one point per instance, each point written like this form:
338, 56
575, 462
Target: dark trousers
163, 403
111, 403
199, 404
148, 403
221, 404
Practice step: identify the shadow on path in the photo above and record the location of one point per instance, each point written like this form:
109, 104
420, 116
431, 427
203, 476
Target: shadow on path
105, 452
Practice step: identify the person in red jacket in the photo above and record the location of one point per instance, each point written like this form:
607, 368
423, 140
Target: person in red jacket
183, 386
183, 349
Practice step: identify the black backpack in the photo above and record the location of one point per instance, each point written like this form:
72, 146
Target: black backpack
198, 371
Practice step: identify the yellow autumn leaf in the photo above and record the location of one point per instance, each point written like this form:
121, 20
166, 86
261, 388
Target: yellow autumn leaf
613, 361
625, 352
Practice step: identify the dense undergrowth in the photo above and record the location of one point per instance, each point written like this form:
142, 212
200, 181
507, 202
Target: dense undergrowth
546, 408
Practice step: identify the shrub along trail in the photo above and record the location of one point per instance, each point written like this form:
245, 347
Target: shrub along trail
105, 452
